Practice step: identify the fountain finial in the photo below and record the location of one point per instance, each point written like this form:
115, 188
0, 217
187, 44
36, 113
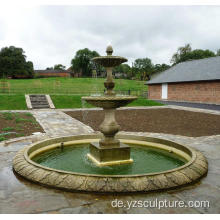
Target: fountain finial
109, 50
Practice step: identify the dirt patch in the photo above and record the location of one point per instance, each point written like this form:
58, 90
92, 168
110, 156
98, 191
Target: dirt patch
14, 125
169, 121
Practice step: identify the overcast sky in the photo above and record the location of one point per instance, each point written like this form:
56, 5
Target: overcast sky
52, 34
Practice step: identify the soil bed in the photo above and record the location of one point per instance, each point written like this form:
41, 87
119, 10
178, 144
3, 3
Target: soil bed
169, 121
14, 125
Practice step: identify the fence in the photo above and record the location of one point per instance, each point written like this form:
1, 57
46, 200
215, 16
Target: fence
139, 93
57, 88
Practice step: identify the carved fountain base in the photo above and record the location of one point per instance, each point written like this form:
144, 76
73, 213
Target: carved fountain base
109, 151
109, 155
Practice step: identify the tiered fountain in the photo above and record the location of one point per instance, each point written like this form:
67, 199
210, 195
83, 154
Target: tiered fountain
110, 162
109, 150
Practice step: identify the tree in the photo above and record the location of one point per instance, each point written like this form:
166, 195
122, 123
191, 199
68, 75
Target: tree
160, 67
56, 67
186, 53
218, 52
13, 63
122, 68
49, 68
143, 68
197, 54
59, 67
82, 62
181, 51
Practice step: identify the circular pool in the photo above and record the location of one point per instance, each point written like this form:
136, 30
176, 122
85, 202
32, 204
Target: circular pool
159, 164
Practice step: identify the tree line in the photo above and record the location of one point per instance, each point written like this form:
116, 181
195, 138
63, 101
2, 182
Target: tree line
13, 63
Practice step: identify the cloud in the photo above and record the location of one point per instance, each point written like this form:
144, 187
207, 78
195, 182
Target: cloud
52, 34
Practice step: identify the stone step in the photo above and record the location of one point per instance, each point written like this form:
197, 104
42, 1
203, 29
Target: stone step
39, 101
41, 98
37, 97
39, 107
40, 104
33, 104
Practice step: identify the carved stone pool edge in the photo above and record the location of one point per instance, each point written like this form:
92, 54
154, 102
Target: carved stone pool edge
189, 173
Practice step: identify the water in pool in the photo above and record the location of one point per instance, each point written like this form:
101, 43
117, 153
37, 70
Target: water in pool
74, 159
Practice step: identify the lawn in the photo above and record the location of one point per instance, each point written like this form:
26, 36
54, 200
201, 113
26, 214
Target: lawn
76, 86
66, 92
17, 102
74, 101
12, 102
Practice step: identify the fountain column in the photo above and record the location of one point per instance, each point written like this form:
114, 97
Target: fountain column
109, 150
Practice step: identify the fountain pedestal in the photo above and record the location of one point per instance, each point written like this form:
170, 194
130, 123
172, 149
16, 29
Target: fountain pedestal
109, 150
106, 156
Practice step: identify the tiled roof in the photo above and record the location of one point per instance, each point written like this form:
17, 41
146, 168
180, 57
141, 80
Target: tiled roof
52, 71
195, 70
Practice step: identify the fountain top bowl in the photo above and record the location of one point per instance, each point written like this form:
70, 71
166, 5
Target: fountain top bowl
109, 60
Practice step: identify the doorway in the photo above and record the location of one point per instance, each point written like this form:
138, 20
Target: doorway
164, 90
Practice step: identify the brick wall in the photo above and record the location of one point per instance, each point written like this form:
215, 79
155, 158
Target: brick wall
207, 92
54, 74
154, 91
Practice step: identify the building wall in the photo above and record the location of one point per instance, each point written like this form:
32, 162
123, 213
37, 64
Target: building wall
154, 91
54, 74
207, 92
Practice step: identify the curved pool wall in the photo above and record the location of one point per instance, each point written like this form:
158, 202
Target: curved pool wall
195, 167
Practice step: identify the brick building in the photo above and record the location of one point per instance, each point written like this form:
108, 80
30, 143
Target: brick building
52, 73
191, 81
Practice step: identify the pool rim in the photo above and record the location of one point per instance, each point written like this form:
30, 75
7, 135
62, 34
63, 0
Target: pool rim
27, 157
24, 166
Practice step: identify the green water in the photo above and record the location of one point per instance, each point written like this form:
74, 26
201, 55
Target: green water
74, 159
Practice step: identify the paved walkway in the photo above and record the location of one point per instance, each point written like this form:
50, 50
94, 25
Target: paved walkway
56, 123
192, 105
20, 196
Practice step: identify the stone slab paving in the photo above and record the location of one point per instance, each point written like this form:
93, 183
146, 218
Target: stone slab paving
21, 196
56, 123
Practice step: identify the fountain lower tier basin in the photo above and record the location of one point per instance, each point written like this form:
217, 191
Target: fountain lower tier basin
158, 165
109, 102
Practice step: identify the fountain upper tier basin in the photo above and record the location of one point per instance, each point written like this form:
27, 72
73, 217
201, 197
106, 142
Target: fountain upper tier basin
109, 102
109, 61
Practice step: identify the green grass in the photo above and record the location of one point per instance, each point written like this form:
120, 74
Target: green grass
20, 135
28, 114
144, 102
8, 129
67, 93
75, 86
12, 102
19, 125
69, 101
2, 138
72, 101
60, 101
7, 115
